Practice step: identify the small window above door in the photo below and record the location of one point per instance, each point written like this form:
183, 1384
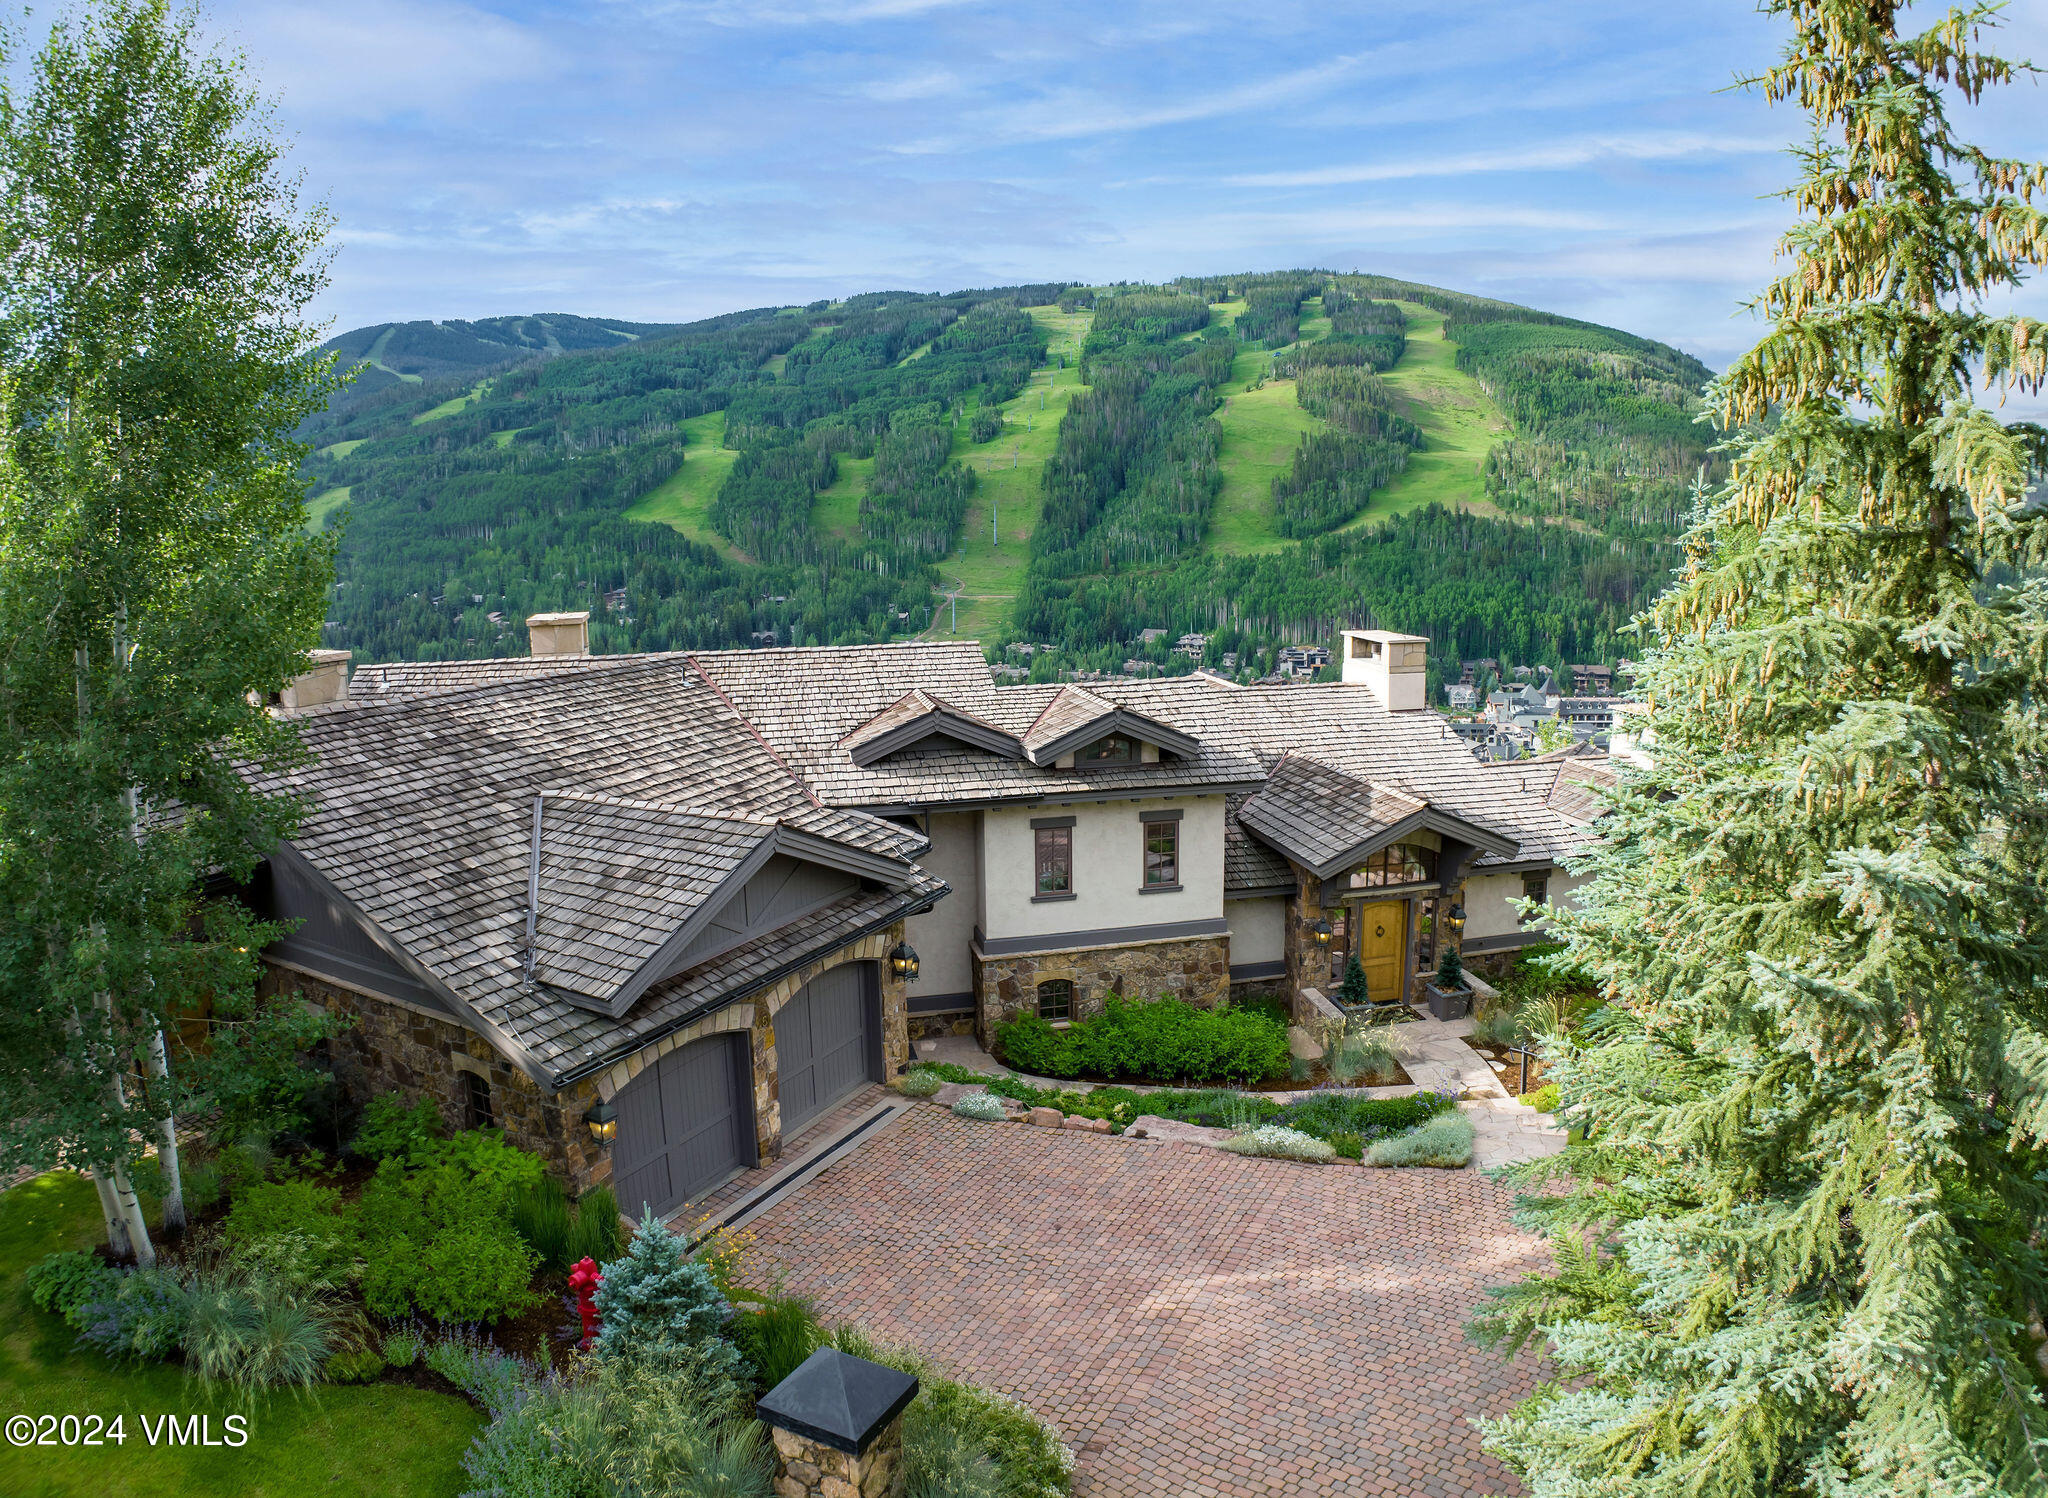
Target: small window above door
1115, 749
1400, 864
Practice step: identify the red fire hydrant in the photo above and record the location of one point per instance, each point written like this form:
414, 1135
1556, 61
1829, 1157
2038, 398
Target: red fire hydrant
584, 1280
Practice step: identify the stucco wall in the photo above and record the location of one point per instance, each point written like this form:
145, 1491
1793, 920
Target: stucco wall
1258, 930
1109, 868
943, 934
1489, 904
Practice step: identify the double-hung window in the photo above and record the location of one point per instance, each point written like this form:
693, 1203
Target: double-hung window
1162, 849
1052, 858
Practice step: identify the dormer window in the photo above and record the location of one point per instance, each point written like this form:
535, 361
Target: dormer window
1116, 749
1400, 864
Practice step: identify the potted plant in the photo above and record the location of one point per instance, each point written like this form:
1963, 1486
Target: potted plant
1354, 994
1449, 996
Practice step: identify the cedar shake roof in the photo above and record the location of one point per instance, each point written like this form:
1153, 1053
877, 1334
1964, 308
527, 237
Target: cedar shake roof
1249, 864
916, 716
421, 817
1327, 821
1070, 708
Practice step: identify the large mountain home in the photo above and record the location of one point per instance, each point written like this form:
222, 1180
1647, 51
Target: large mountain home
700, 897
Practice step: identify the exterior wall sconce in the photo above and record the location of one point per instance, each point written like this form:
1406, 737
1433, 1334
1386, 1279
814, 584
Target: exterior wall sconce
903, 960
1322, 933
603, 1120
1454, 919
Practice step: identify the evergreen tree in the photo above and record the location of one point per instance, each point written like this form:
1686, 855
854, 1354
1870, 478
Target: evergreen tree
156, 582
1802, 1249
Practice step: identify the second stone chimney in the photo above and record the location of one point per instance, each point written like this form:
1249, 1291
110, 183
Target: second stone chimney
558, 636
1395, 667
323, 681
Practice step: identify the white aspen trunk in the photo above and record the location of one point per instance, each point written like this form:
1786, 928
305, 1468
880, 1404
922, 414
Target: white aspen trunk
131, 1214
167, 1144
110, 1208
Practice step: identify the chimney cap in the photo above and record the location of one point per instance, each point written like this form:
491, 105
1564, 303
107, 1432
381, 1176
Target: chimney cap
544, 619
329, 657
1387, 636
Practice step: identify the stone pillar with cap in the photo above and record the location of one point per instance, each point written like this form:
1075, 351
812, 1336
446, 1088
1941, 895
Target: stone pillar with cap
838, 1427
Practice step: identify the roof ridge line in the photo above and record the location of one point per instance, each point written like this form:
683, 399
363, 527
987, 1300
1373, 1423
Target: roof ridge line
748, 724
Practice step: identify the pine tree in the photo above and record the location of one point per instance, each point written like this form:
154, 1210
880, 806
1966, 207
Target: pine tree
1801, 1251
156, 582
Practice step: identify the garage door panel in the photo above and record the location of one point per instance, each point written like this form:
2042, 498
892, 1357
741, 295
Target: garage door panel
684, 1125
824, 1042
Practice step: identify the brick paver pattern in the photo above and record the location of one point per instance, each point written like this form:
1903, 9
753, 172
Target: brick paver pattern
1193, 1322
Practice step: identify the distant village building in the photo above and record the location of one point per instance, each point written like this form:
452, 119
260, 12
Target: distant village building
1590, 681
763, 637
1473, 672
1147, 636
1588, 715
1191, 646
1301, 660
1462, 695
615, 601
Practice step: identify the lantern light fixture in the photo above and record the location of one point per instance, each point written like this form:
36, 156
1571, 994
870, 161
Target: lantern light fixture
1322, 933
603, 1120
903, 960
1454, 919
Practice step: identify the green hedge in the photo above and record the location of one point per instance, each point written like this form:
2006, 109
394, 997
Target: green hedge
1165, 1041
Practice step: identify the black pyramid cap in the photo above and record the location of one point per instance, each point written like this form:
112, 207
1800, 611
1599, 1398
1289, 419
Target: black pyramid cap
842, 1401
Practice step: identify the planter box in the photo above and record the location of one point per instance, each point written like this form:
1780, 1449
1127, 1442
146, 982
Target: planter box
1453, 1003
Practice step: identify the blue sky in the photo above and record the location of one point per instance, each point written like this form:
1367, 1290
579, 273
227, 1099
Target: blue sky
669, 159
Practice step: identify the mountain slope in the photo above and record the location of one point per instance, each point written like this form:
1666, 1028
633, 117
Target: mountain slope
1259, 458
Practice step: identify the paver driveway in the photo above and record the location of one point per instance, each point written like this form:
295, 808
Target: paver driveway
1194, 1323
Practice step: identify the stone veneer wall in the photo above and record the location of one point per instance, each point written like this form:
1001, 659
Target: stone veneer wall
811, 1469
399, 1047
932, 1026
1308, 965
1195, 969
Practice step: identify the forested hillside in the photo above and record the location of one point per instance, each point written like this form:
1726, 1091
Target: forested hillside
810, 473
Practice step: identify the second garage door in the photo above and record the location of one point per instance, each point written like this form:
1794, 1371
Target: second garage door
685, 1124
826, 1042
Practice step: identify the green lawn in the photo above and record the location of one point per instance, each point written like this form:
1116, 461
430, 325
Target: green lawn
1260, 430
684, 500
453, 404
323, 504
376, 1441
987, 565
342, 449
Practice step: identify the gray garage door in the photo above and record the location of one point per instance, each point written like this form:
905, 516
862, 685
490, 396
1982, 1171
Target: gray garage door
826, 1042
685, 1124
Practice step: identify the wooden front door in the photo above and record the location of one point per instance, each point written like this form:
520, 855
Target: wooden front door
1382, 939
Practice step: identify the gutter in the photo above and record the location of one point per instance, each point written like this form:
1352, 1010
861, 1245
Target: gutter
1067, 798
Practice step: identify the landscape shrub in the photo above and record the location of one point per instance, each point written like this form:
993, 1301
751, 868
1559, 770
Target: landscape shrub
986, 426
142, 1316
389, 1128
1117, 1104
919, 1083
1276, 1142
948, 1071
595, 1232
487, 1376
68, 1282
1328, 1113
326, 1244
1544, 1099
1030, 1458
777, 1336
252, 1331
1166, 1040
357, 1365
943, 1461
485, 1157
1500, 1026
983, 1106
541, 1217
657, 1294
441, 1242
402, 1348
1445, 1141
1361, 1057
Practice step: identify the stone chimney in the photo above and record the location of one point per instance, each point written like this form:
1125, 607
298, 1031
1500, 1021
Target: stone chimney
324, 681
558, 636
1394, 666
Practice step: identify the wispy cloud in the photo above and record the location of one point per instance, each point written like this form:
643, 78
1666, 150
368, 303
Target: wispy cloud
1554, 156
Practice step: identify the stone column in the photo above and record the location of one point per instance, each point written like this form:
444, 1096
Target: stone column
838, 1427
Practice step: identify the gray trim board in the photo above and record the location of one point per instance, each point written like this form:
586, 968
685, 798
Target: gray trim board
1039, 823
1517, 866
1248, 972
1063, 798
1105, 936
1261, 892
941, 1003
1507, 941
1171, 814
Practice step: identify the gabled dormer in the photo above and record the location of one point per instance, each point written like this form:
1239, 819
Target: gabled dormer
1079, 730
623, 894
917, 718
